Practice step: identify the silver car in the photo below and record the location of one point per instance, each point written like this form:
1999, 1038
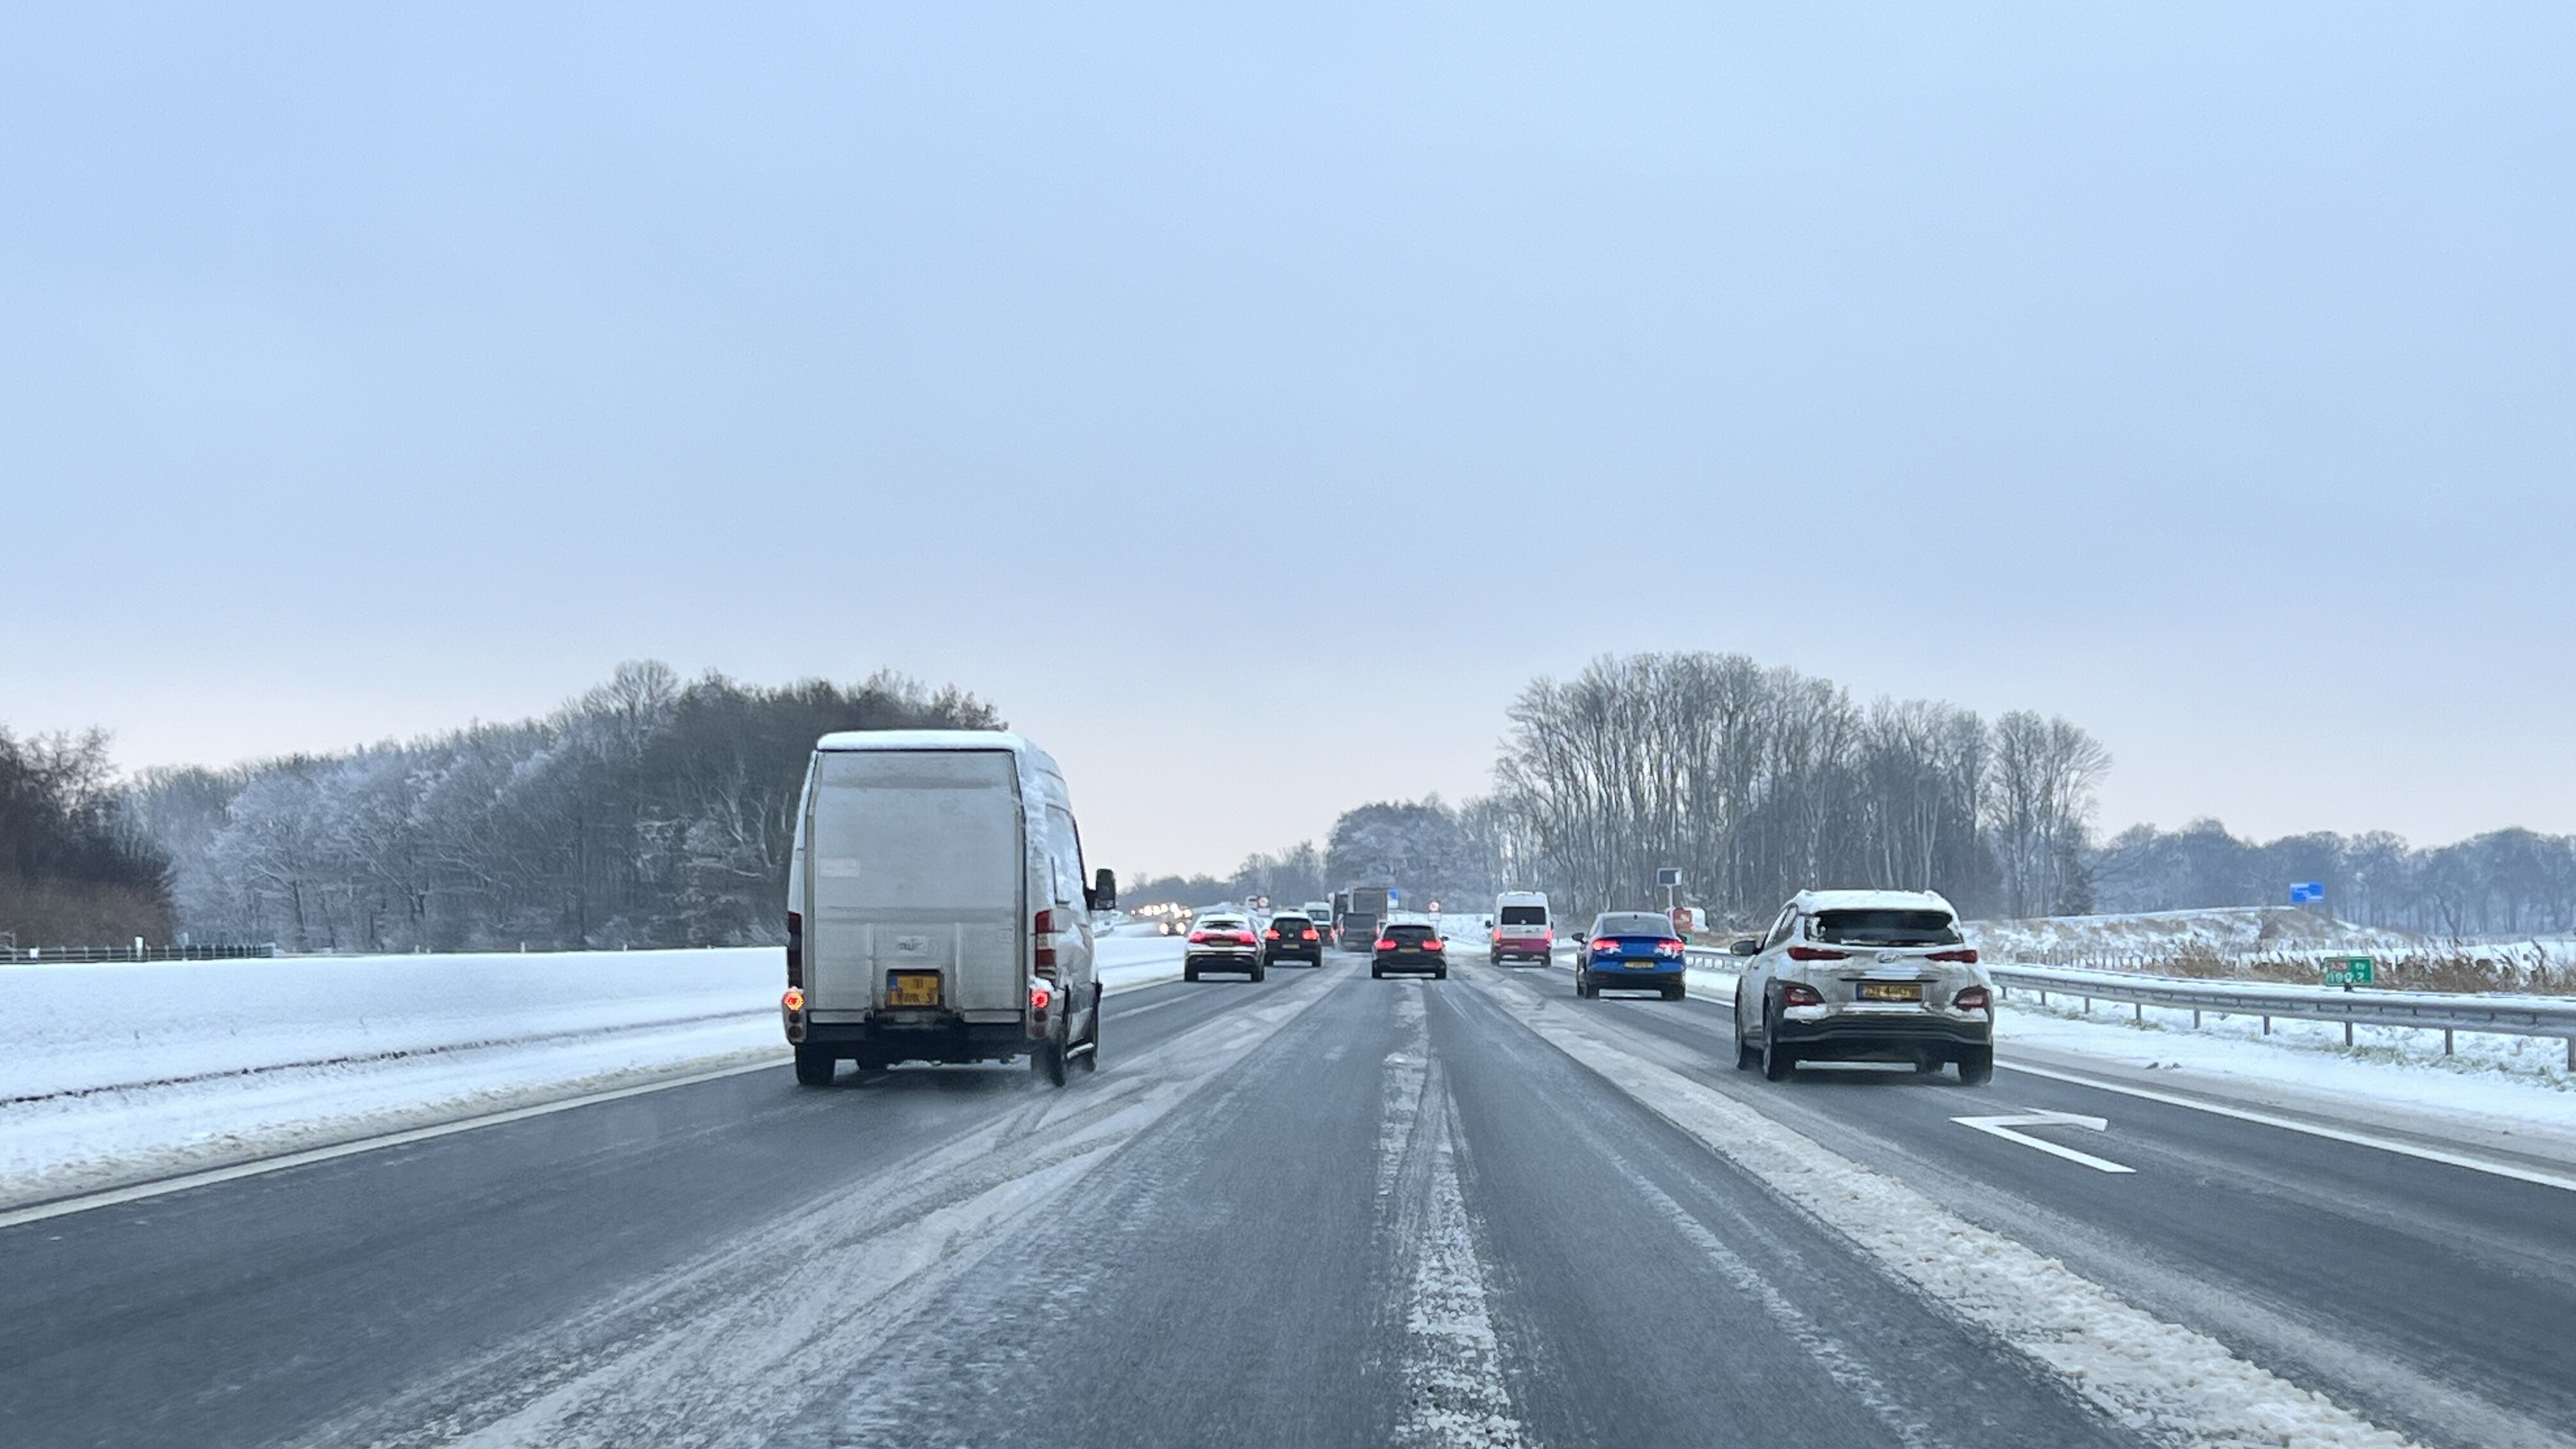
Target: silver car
1864, 976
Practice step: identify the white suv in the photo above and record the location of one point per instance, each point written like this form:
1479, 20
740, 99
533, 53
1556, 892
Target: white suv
1865, 976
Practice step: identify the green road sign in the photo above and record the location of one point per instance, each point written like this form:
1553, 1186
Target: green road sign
2349, 970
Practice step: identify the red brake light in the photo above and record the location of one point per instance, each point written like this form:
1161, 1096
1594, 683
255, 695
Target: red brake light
1271, 934
1435, 944
1198, 938
794, 1000
1040, 995
1965, 957
1605, 946
1817, 953
1973, 998
1310, 933
1668, 948
1384, 944
1796, 993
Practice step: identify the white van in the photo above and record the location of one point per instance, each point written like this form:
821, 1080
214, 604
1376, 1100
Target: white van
1524, 930
937, 909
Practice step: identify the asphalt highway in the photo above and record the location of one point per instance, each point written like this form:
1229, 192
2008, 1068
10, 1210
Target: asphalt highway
1320, 1210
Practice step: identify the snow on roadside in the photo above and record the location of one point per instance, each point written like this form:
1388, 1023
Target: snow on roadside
124, 1072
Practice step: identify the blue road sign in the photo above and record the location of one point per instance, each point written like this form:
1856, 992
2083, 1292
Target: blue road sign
2307, 893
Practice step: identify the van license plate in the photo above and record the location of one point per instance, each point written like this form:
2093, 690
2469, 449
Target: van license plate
1891, 991
912, 988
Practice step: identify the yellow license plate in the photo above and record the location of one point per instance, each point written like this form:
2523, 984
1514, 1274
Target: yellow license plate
912, 988
1891, 991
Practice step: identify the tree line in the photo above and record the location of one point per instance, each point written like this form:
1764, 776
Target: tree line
2503, 883
72, 867
648, 811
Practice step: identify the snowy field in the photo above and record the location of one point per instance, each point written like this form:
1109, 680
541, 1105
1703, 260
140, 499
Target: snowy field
2223, 931
119, 1072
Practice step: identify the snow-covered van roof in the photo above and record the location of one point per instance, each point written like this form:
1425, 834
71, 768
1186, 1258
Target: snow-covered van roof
1810, 902
1521, 898
925, 740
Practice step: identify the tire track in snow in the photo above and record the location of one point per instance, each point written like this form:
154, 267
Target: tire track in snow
1452, 1370
2158, 1379
721, 1352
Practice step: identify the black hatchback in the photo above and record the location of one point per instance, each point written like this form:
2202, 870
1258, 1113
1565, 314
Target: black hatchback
1292, 937
1410, 948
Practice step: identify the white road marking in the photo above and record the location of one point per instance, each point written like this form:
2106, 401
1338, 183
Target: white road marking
2562, 1181
2003, 1127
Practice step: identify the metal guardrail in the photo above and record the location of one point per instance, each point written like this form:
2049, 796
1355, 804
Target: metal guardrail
88, 955
2442, 1011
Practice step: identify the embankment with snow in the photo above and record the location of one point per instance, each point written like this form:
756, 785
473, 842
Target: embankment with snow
121, 1072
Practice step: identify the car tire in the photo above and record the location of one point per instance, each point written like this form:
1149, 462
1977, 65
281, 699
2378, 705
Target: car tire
1376, 975
1675, 993
1260, 971
1189, 973
1777, 1061
815, 1065
1977, 1067
1048, 1062
1440, 975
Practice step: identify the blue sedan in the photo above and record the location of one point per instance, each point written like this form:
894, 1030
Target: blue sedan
1630, 951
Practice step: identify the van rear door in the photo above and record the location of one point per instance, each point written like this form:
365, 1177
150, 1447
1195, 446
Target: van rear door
917, 862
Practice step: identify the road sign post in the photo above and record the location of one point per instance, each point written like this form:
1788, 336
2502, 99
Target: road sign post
1670, 878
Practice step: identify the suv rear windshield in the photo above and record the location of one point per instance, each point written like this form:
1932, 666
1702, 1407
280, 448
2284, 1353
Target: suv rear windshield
1524, 915
1410, 933
1887, 928
1634, 923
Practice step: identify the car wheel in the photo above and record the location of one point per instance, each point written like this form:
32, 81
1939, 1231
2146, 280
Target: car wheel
1189, 973
1376, 975
814, 1065
1675, 993
1260, 971
1777, 1060
1977, 1067
1440, 975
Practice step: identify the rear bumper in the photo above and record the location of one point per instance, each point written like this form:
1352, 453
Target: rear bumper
949, 1040
1527, 950
1220, 961
1393, 963
1839, 1037
1612, 976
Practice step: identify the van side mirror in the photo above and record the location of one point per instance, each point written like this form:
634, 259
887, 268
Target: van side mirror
1103, 895
1744, 946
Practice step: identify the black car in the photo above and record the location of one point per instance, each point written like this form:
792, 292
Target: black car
1291, 936
1409, 947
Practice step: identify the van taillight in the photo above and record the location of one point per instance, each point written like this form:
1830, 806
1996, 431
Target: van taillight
1046, 943
795, 948
794, 1001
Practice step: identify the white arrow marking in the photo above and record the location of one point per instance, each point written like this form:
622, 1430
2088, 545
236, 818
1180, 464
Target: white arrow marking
2003, 1127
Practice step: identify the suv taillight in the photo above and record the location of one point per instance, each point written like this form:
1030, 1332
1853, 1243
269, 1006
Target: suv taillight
1972, 998
1384, 944
1795, 993
1965, 957
1817, 953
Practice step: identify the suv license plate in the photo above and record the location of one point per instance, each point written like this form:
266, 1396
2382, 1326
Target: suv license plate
1891, 991
912, 988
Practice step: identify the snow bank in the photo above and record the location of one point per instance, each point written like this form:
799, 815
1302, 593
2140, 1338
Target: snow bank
2223, 931
119, 1072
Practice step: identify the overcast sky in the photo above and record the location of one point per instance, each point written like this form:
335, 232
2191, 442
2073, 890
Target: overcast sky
1250, 404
